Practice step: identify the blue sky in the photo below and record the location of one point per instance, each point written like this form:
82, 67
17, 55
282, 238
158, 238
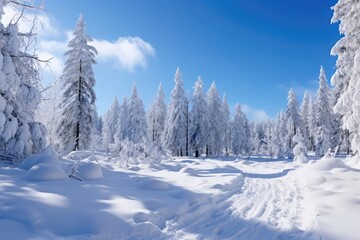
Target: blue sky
255, 50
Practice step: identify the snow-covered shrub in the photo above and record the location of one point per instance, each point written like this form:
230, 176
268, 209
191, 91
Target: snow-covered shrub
300, 148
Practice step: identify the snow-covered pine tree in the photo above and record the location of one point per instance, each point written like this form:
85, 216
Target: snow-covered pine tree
293, 121
277, 141
199, 121
269, 126
78, 101
258, 139
19, 93
176, 127
156, 117
214, 143
299, 150
111, 119
122, 125
240, 132
345, 79
227, 126
323, 115
137, 124
304, 113
311, 125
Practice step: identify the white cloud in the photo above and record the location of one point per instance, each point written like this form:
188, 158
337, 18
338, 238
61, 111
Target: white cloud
257, 115
126, 52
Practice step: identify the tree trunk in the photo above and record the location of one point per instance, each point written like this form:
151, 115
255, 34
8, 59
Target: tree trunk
77, 131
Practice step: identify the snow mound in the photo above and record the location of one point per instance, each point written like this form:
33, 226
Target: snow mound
325, 164
89, 171
189, 171
153, 185
354, 162
79, 155
45, 172
48, 156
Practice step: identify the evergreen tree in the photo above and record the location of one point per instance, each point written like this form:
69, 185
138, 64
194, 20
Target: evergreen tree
304, 113
214, 143
278, 134
300, 148
157, 117
78, 101
122, 125
240, 133
137, 124
19, 93
227, 126
111, 120
293, 121
156, 121
323, 114
199, 122
345, 79
311, 125
176, 127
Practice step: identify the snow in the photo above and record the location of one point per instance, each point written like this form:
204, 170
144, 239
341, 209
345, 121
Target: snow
45, 172
183, 198
88, 171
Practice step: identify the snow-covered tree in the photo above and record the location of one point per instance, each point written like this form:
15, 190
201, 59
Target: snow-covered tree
346, 77
111, 119
304, 113
20, 135
122, 125
199, 121
227, 126
311, 125
278, 135
136, 119
176, 127
156, 117
48, 111
299, 150
240, 132
293, 121
214, 143
78, 101
324, 116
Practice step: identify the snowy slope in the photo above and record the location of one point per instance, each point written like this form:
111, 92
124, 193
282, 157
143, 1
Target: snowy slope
229, 198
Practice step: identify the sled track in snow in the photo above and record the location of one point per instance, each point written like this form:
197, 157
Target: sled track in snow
251, 208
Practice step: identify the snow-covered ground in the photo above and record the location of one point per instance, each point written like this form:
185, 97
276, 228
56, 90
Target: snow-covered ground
227, 198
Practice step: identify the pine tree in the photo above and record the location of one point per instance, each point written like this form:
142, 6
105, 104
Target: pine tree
345, 79
300, 148
214, 144
137, 124
78, 101
293, 121
304, 113
311, 125
19, 93
323, 114
111, 120
199, 121
240, 132
157, 117
278, 134
122, 125
227, 126
176, 127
